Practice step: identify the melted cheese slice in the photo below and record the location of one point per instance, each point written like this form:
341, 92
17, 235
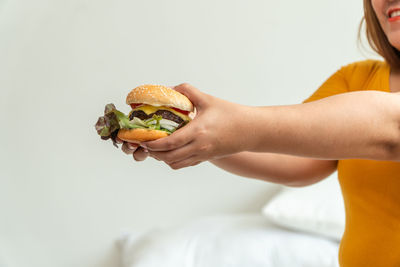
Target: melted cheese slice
151, 109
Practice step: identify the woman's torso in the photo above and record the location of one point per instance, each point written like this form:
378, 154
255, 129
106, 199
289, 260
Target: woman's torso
371, 189
371, 192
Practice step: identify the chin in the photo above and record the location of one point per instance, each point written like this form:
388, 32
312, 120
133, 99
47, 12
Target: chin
394, 40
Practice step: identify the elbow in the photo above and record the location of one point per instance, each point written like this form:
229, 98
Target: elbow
392, 143
297, 184
391, 150
301, 183
312, 172
304, 181
390, 147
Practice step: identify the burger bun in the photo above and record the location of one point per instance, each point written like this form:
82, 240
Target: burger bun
140, 135
159, 95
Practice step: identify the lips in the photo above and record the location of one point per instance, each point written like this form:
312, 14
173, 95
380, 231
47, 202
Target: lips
394, 14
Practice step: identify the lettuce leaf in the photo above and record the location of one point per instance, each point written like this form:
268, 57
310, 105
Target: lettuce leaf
108, 125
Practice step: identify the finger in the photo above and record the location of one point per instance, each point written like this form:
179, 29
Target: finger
140, 154
127, 148
174, 155
192, 161
176, 140
154, 157
133, 146
198, 98
119, 141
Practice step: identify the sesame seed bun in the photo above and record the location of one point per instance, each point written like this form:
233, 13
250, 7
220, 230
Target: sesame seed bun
140, 135
159, 95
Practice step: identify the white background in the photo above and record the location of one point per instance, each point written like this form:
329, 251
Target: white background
65, 195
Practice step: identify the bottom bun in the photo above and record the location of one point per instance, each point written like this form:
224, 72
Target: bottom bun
140, 135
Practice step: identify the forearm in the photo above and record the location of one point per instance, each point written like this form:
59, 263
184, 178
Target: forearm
277, 168
354, 125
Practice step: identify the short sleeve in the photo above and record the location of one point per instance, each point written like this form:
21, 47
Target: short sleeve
357, 76
336, 84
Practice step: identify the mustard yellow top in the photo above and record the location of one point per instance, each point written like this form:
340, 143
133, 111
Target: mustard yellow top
371, 189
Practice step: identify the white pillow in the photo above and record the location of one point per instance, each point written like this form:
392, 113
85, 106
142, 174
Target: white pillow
315, 209
235, 241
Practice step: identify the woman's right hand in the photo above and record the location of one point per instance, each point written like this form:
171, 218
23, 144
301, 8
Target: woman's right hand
138, 153
219, 129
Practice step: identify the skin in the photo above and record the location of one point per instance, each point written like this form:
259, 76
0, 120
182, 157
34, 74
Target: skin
391, 29
139, 153
301, 154
291, 145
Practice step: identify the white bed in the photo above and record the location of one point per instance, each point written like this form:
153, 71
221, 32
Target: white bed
297, 228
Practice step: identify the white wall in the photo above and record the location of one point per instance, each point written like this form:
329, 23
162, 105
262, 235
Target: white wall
65, 195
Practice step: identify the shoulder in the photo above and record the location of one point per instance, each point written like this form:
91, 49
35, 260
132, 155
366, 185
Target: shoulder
364, 67
362, 74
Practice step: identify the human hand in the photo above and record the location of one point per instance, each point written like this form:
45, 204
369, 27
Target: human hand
216, 131
138, 153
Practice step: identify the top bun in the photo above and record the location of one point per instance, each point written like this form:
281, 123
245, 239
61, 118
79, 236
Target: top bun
158, 95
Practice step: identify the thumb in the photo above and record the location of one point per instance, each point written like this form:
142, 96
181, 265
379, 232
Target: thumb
198, 98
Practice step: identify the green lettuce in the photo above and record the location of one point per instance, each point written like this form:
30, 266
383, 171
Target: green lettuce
108, 125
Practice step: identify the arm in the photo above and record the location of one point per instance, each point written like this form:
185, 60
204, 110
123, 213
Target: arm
277, 168
363, 124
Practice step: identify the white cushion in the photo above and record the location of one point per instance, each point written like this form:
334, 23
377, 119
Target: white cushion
315, 209
233, 241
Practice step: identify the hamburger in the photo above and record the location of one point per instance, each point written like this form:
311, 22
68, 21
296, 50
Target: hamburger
157, 111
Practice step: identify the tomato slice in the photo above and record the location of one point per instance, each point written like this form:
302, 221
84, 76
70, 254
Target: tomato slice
181, 111
133, 106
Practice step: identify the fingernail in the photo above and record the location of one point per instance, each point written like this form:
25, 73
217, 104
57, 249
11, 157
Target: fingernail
132, 146
145, 150
143, 145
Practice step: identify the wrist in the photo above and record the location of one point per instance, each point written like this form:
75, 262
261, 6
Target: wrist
249, 126
264, 128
